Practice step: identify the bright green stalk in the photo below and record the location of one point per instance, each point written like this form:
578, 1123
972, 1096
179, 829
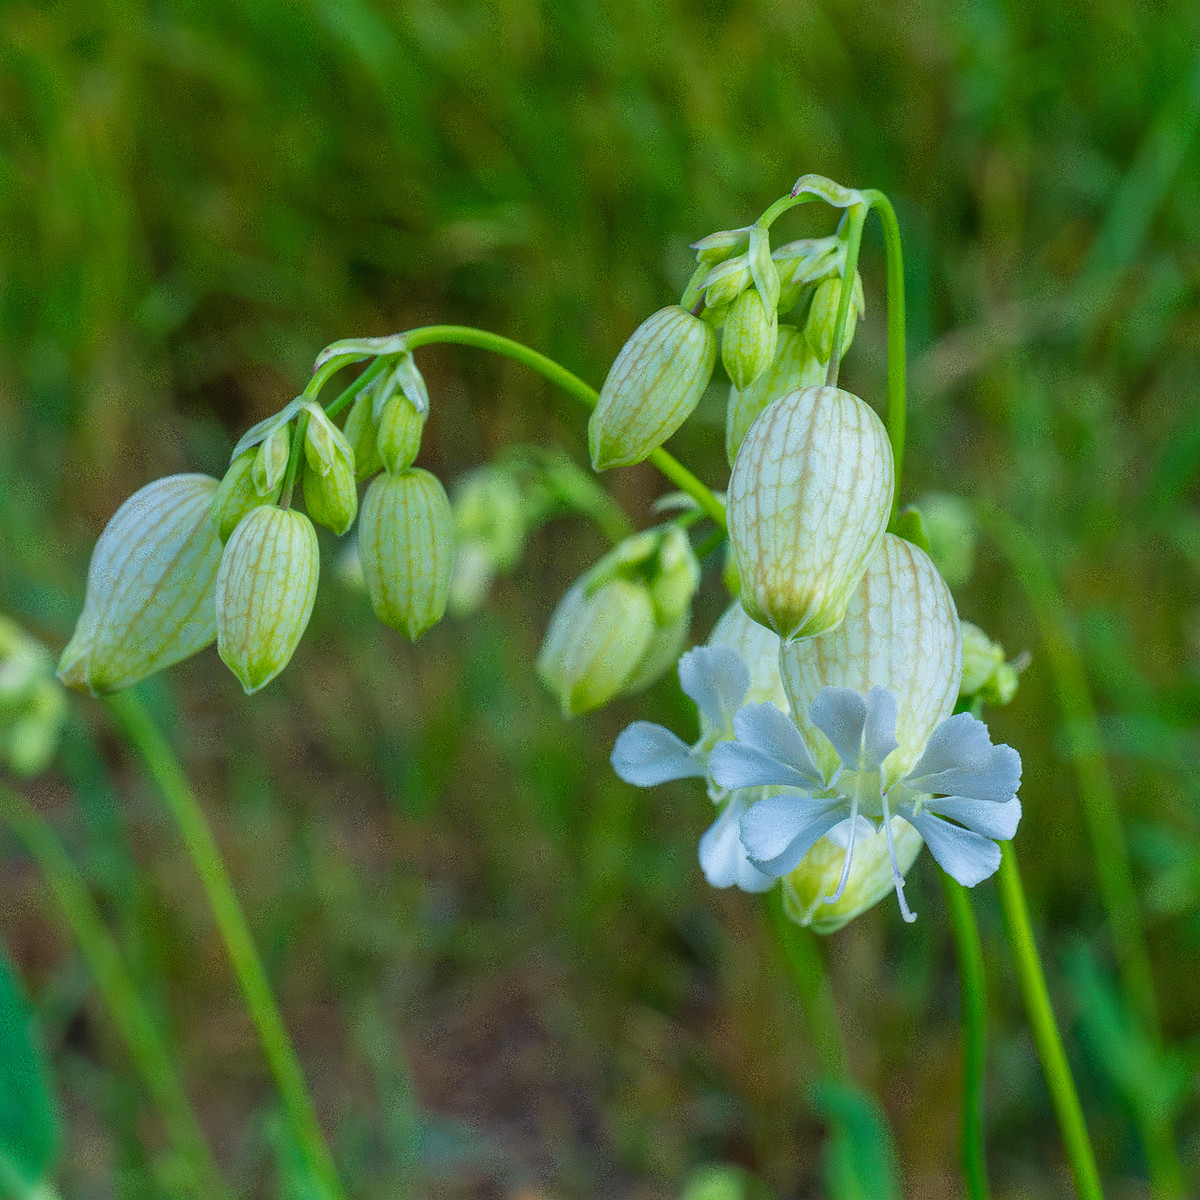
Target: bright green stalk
973, 990
463, 335
1055, 1068
125, 1006
857, 216
145, 737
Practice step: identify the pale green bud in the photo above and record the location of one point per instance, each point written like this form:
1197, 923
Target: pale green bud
150, 587
400, 429
795, 366
985, 674
717, 247
822, 316
652, 388
809, 500
265, 592
490, 518
952, 532
596, 639
802, 264
870, 880
661, 654
406, 543
727, 281
748, 341
237, 494
676, 578
324, 442
330, 492
32, 704
271, 459
900, 632
362, 432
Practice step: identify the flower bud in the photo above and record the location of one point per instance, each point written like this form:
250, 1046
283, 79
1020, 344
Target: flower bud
806, 889
271, 459
822, 316
400, 428
406, 542
727, 281
802, 264
900, 632
362, 432
952, 532
794, 367
150, 587
985, 674
237, 494
32, 703
655, 382
596, 638
748, 343
490, 517
330, 494
265, 592
809, 500
675, 577
717, 247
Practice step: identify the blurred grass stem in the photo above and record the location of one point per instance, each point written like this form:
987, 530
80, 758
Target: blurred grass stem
464, 335
126, 1008
969, 953
1055, 1068
149, 742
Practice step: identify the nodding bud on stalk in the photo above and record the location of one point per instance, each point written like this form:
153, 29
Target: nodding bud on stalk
727, 281
809, 500
330, 494
265, 592
748, 340
822, 316
807, 889
406, 543
717, 247
400, 427
621, 625
362, 432
238, 494
652, 388
794, 367
150, 587
270, 462
901, 632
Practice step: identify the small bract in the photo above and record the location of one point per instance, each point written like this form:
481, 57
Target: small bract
265, 592
150, 587
652, 388
809, 500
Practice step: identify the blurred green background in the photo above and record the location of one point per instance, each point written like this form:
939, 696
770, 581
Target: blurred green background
488, 948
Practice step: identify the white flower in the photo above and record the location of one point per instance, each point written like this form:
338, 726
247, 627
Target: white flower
645, 754
960, 795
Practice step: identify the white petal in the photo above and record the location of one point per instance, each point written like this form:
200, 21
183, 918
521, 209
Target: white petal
840, 714
723, 858
780, 830
767, 728
960, 760
993, 819
646, 754
716, 679
967, 856
879, 730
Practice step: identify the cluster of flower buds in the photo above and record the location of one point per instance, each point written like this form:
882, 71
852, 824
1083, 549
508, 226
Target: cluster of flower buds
188, 559
623, 623
32, 703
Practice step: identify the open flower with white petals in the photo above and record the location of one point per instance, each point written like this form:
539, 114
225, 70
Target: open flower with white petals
740, 664
960, 795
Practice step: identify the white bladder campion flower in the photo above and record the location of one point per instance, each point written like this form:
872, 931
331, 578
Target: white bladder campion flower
871, 737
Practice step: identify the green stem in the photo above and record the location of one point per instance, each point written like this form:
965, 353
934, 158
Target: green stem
295, 450
857, 216
897, 383
1055, 1068
125, 1006
368, 376
145, 737
463, 335
973, 990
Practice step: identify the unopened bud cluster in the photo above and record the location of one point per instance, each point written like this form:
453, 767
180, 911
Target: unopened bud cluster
189, 559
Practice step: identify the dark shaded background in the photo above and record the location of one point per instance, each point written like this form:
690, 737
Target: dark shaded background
456, 898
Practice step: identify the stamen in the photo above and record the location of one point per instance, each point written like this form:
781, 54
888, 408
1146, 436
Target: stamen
897, 878
841, 887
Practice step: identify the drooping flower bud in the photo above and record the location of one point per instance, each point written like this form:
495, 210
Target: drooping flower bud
809, 500
986, 675
900, 632
265, 592
822, 316
717, 247
400, 429
802, 264
727, 281
362, 432
652, 388
748, 341
807, 889
33, 704
794, 367
270, 462
330, 494
150, 587
237, 494
406, 543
